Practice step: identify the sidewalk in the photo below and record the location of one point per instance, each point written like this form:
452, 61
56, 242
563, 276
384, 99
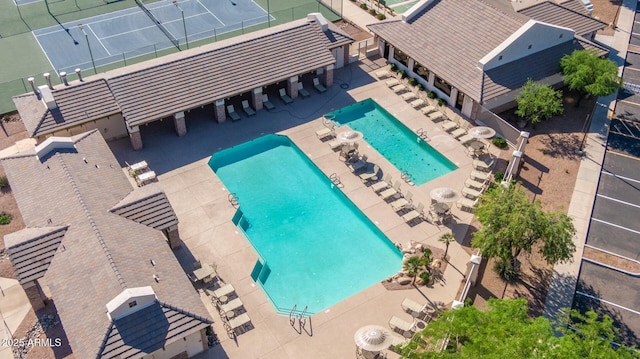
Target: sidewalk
14, 306
565, 276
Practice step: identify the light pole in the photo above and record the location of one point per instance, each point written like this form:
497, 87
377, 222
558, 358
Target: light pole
184, 24
86, 37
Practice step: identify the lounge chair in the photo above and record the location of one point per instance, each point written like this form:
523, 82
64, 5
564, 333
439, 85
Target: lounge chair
416, 309
436, 116
399, 88
247, 109
482, 165
474, 184
465, 140
401, 326
284, 97
304, 93
319, 87
402, 202
392, 82
232, 305
483, 176
232, 113
417, 103
225, 290
417, 212
145, 178
382, 185
428, 109
137, 167
450, 125
391, 192
409, 96
471, 193
382, 74
266, 103
324, 133
334, 144
240, 324
467, 204
461, 131
370, 175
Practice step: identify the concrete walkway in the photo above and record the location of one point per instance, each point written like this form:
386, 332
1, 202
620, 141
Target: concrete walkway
565, 276
14, 306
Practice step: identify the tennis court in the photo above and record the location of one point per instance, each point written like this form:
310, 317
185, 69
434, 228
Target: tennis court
109, 38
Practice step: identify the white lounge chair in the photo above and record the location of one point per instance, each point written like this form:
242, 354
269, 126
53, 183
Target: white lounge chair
334, 144
138, 167
399, 88
145, 178
482, 165
232, 305
384, 184
414, 214
436, 116
391, 192
284, 97
416, 309
461, 131
232, 113
304, 93
225, 290
324, 133
266, 103
247, 109
483, 176
428, 109
450, 125
474, 184
417, 103
402, 202
370, 175
467, 204
383, 74
471, 193
319, 87
240, 324
392, 82
409, 96
401, 326
465, 140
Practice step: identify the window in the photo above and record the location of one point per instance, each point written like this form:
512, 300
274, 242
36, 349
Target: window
421, 71
443, 86
400, 56
460, 100
133, 304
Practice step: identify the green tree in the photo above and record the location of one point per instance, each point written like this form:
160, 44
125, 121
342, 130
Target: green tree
512, 224
537, 102
446, 238
505, 330
413, 266
586, 72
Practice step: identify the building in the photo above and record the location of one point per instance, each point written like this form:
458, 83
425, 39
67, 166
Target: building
118, 102
94, 248
478, 53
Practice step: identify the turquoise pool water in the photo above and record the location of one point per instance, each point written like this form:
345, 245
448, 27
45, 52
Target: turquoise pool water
317, 247
394, 141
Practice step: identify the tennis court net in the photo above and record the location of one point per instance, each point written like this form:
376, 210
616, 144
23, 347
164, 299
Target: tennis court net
158, 23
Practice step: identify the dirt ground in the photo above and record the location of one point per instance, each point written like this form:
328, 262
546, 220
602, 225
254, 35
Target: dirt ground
606, 11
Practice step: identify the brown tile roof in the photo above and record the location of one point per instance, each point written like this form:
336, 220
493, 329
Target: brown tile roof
559, 15
80, 103
448, 38
147, 205
32, 249
542, 64
574, 5
104, 253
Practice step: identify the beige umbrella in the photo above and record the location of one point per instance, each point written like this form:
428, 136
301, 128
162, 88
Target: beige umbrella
482, 132
444, 195
350, 136
372, 338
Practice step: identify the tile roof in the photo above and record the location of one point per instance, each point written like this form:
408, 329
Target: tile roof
104, 253
80, 103
148, 330
147, 205
448, 39
32, 249
552, 13
542, 64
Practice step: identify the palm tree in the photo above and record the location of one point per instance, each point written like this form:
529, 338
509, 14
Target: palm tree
446, 238
413, 267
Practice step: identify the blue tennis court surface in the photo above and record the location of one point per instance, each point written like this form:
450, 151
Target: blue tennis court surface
130, 32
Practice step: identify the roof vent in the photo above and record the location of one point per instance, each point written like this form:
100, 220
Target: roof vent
79, 73
130, 300
317, 17
47, 97
32, 82
54, 143
63, 76
47, 77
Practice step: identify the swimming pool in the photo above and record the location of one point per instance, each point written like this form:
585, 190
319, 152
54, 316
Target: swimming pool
397, 143
316, 247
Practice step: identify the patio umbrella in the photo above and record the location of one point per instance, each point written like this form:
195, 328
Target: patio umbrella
350, 136
444, 195
372, 338
482, 132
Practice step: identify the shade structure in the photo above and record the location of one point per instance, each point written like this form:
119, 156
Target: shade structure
444, 195
349, 136
482, 132
372, 338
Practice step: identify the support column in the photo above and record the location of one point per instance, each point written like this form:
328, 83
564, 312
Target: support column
179, 123
292, 87
327, 79
34, 294
345, 51
453, 97
218, 113
135, 138
410, 65
256, 98
174, 237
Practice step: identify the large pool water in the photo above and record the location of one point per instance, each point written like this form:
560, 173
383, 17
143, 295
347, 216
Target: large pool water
316, 247
397, 143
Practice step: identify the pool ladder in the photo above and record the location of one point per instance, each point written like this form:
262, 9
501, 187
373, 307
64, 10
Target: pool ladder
405, 177
336, 180
233, 200
301, 317
422, 134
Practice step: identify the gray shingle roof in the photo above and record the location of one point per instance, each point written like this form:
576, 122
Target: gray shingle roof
148, 330
448, 38
555, 14
513, 75
147, 205
104, 252
32, 249
80, 103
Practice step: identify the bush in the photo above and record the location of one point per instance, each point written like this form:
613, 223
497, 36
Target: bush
373, 12
426, 277
413, 81
431, 95
5, 218
500, 142
393, 67
420, 87
498, 176
402, 73
4, 182
381, 17
441, 102
363, 6
506, 270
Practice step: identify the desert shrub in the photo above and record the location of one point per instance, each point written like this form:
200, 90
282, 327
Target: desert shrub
373, 12
420, 87
381, 17
500, 142
4, 182
402, 73
498, 176
5, 218
431, 95
413, 81
506, 270
393, 67
441, 102
426, 277
364, 6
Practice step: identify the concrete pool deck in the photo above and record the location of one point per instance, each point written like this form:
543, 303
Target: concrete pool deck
201, 204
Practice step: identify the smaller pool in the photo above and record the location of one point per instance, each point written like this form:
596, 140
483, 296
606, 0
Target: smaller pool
397, 143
